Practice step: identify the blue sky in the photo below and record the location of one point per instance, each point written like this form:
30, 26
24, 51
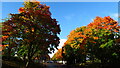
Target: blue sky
70, 15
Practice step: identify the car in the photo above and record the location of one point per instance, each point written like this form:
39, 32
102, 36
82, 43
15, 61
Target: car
49, 61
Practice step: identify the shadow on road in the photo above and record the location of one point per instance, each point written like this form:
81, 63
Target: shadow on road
56, 65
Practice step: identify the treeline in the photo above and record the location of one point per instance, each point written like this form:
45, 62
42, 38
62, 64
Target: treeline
98, 42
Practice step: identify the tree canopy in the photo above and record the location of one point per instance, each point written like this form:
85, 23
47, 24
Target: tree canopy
96, 41
31, 31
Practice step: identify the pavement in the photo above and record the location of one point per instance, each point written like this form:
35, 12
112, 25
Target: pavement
56, 65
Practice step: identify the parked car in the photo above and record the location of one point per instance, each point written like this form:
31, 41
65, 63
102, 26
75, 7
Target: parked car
49, 61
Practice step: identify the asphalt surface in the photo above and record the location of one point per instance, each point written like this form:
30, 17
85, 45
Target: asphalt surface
56, 65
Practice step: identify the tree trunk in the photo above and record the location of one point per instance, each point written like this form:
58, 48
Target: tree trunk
28, 62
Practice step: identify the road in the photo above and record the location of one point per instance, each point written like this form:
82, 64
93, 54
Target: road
55, 65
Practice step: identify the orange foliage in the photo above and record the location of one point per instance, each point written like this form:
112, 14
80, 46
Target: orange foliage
58, 54
21, 10
4, 38
103, 23
95, 37
86, 32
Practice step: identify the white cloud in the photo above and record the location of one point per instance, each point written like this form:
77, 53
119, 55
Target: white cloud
114, 16
92, 20
62, 41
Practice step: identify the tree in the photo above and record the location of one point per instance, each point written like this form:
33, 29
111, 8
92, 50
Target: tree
101, 38
31, 31
96, 40
0, 39
74, 47
58, 55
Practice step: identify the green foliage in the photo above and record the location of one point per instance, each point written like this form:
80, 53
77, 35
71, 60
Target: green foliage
107, 44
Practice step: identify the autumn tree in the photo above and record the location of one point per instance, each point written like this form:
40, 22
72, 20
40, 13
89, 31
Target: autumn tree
96, 40
58, 55
74, 47
31, 31
0, 43
102, 35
